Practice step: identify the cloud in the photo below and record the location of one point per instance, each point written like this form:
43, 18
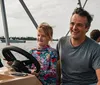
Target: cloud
55, 12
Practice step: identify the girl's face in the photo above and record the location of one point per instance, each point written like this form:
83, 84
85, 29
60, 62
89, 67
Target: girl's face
42, 38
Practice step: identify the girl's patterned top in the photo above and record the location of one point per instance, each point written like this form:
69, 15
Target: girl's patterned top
47, 57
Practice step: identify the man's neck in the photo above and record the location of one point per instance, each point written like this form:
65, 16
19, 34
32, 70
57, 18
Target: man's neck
77, 42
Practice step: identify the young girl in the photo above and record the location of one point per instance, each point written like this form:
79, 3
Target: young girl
46, 55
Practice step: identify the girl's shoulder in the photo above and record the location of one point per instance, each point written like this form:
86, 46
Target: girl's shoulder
51, 49
53, 52
32, 50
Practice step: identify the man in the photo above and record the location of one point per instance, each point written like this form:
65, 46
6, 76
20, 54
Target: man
79, 55
95, 35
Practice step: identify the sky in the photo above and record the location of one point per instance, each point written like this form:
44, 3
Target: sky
56, 13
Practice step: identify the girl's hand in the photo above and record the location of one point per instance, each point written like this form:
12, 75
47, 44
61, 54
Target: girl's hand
9, 62
34, 73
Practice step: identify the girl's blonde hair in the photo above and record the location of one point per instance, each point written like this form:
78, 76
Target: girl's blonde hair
47, 29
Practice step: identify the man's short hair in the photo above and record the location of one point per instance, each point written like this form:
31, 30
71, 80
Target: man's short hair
84, 13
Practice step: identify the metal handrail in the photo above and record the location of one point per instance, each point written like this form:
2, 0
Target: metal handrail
5, 22
5, 19
28, 12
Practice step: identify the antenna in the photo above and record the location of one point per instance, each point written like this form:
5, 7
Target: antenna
85, 3
79, 3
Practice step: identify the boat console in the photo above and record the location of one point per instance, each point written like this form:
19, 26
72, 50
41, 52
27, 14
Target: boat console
6, 78
18, 73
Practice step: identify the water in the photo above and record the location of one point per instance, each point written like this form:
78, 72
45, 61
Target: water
26, 46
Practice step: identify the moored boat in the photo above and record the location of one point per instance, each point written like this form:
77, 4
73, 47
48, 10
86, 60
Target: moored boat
13, 41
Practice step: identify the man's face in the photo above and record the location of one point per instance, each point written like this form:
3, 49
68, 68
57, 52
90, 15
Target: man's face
78, 26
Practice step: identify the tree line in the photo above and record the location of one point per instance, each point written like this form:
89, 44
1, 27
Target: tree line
19, 38
23, 38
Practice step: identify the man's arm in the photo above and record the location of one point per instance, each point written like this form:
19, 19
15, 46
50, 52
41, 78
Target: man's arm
98, 76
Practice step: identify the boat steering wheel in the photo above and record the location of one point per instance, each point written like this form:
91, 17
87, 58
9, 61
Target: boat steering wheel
17, 65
